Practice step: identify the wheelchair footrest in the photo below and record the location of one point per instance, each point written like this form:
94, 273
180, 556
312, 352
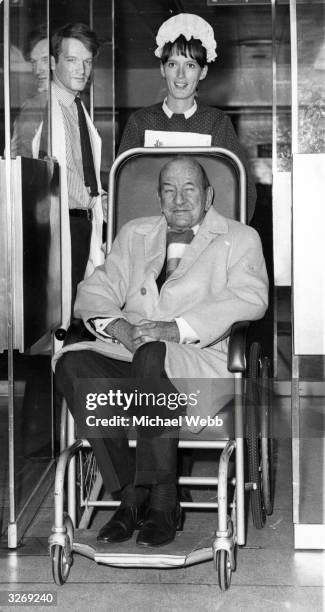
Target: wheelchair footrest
186, 549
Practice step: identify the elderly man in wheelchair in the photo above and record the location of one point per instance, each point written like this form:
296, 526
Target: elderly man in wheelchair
161, 308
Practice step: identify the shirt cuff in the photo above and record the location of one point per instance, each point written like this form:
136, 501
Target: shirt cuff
187, 335
99, 325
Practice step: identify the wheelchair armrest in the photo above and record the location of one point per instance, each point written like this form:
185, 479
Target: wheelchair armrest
237, 347
77, 332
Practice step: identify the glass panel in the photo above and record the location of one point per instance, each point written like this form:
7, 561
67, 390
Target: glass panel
281, 165
2, 122
311, 77
283, 89
29, 79
312, 450
4, 455
3, 218
308, 246
30, 202
103, 84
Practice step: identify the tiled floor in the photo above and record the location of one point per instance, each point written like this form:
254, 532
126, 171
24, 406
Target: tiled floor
270, 575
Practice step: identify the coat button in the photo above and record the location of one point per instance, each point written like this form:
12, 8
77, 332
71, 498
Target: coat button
143, 291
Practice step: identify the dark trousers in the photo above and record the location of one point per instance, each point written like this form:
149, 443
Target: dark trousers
80, 230
156, 452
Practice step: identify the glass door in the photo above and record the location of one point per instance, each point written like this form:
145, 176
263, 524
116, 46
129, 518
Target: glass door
30, 289
308, 221
31, 245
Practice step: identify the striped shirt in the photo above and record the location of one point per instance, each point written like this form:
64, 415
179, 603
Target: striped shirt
78, 193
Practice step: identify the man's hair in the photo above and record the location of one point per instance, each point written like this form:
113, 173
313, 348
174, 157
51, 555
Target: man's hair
187, 158
192, 48
81, 32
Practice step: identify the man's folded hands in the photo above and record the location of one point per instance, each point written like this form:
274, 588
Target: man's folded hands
133, 336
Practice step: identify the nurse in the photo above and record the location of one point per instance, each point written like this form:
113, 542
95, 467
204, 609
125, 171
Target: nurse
185, 47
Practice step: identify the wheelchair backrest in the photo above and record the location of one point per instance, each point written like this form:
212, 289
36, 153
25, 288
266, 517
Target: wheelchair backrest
134, 182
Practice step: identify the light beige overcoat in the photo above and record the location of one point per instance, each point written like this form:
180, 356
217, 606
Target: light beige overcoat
221, 279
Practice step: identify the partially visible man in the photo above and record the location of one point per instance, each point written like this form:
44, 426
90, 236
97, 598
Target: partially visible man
169, 291
40, 58
31, 114
76, 145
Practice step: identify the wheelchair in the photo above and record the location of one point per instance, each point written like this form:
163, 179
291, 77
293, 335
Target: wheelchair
245, 435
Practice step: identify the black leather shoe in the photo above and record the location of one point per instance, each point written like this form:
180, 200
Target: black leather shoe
122, 524
160, 527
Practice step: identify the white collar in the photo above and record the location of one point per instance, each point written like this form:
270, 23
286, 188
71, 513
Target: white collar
64, 96
187, 113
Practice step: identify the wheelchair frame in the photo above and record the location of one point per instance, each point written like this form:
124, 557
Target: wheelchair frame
230, 530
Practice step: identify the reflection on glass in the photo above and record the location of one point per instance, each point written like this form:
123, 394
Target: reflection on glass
27, 130
39, 58
4, 457
103, 85
30, 404
283, 88
283, 135
311, 121
311, 77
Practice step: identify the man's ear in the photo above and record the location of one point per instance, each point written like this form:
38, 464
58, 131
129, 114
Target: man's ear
204, 72
52, 63
162, 70
209, 195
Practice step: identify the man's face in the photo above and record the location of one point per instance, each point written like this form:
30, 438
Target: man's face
74, 65
183, 198
39, 58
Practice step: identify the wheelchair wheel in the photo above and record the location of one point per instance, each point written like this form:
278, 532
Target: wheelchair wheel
87, 472
254, 450
60, 565
223, 568
267, 439
69, 527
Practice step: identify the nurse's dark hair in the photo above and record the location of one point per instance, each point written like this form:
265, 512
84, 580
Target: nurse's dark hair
81, 32
187, 158
192, 48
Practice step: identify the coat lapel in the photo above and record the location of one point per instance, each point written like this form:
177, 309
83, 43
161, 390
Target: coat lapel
59, 152
155, 246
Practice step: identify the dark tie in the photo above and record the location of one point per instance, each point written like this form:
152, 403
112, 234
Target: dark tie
86, 151
178, 238
43, 146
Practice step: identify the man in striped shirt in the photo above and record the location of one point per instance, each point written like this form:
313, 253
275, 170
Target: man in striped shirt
74, 47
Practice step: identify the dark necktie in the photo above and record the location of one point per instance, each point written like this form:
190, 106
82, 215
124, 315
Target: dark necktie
176, 238
44, 140
86, 151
